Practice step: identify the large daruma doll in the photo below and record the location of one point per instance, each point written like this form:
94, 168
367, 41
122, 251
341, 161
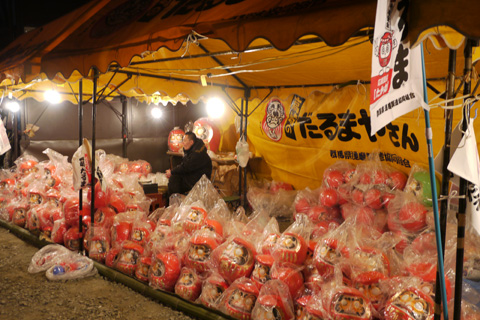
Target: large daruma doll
175, 139
207, 131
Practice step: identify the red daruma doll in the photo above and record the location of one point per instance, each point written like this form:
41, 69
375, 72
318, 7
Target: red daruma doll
189, 284
199, 250
236, 259
344, 303
239, 299
409, 304
291, 246
213, 287
164, 271
274, 302
175, 139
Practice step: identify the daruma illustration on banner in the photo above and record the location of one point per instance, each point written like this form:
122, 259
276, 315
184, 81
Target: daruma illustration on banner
397, 80
274, 119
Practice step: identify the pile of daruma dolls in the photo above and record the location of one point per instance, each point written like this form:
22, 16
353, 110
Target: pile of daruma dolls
361, 246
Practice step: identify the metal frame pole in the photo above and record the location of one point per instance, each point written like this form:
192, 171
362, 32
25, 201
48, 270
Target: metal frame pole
452, 58
80, 141
240, 194
94, 120
431, 167
123, 99
457, 306
15, 135
247, 96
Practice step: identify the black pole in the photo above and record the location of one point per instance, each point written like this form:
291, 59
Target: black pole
80, 141
247, 96
15, 135
123, 99
94, 119
452, 58
463, 191
240, 194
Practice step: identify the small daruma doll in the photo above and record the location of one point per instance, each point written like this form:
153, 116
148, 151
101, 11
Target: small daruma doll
409, 304
291, 247
239, 299
346, 303
188, 285
212, 289
237, 259
128, 257
164, 271
198, 253
195, 219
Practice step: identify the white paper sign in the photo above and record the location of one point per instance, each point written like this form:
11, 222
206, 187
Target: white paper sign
465, 161
397, 81
473, 206
4, 143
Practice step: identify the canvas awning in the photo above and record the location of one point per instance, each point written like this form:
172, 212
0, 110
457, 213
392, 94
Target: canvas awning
102, 33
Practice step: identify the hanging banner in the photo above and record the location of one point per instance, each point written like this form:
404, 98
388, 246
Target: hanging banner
82, 166
300, 135
397, 80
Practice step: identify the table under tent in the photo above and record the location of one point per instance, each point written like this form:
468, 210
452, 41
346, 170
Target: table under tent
260, 58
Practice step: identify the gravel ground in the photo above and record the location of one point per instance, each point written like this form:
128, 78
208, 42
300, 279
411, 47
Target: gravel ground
31, 296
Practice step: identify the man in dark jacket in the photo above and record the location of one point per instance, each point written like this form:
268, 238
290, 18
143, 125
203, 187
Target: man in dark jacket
195, 163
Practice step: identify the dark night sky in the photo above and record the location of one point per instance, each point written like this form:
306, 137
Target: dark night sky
16, 15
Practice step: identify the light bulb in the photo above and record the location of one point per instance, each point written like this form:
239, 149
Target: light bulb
215, 108
13, 106
52, 96
156, 112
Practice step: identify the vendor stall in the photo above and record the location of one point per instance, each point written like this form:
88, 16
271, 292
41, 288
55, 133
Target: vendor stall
262, 57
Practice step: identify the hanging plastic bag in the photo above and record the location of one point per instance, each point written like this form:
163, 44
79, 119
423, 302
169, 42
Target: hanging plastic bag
243, 152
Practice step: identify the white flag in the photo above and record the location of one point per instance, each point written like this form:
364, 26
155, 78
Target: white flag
465, 162
4, 143
82, 166
397, 80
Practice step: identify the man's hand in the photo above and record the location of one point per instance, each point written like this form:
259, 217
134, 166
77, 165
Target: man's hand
168, 173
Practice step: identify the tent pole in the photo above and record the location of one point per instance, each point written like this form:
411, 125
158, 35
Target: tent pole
15, 135
462, 190
123, 99
80, 141
431, 167
452, 58
242, 199
94, 119
247, 96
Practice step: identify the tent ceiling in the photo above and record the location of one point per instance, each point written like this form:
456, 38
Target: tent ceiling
177, 75
252, 52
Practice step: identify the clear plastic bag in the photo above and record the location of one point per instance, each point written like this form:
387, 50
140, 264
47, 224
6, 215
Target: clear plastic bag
73, 266
46, 257
273, 300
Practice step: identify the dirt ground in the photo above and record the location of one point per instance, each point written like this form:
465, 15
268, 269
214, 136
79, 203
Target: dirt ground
31, 296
